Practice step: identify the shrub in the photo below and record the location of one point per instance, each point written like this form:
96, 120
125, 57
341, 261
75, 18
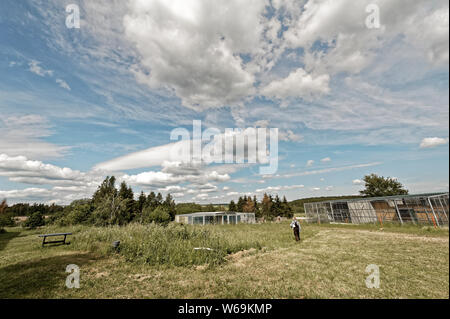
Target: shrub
159, 216
35, 220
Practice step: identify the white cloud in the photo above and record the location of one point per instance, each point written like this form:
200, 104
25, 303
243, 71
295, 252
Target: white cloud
63, 84
23, 135
21, 169
430, 142
194, 47
34, 67
298, 84
357, 182
331, 169
289, 135
278, 188
309, 163
325, 160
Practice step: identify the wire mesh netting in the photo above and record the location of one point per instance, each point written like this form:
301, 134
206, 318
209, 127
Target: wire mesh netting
430, 209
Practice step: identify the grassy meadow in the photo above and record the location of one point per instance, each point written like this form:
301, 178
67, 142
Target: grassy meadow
245, 261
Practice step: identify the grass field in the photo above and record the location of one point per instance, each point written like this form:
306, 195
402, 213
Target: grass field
247, 261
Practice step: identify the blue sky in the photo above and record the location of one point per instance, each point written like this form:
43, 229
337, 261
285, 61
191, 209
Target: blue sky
348, 100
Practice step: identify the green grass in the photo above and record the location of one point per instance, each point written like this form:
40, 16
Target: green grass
247, 261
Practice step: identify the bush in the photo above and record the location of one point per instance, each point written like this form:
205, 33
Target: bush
159, 216
35, 220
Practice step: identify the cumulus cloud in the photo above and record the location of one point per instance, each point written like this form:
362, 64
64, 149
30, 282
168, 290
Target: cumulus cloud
357, 182
289, 135
298, 84
325, 160
194, 47
21, 169
430, 142
309, 163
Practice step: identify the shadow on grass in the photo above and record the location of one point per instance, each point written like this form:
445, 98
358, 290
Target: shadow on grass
6, 237
40, 278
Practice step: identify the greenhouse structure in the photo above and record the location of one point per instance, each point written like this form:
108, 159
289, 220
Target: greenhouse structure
204, 218
431, 209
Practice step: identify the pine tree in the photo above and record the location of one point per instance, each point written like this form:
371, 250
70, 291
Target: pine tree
286, 208
266, 206
169, 204
232, 206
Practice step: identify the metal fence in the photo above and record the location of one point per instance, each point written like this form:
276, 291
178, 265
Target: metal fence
429, 209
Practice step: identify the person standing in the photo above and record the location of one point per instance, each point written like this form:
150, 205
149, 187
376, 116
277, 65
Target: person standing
295, 225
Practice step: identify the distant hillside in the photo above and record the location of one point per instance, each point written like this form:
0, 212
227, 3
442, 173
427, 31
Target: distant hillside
297, 205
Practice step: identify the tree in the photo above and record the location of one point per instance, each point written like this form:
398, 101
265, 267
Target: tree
106, 189
257, 210
382, 186
141, 204
169, 204
159, 216
35, 220
151, 201
276, 207
286, 208
5, 218
240, 205
127, 198
266, 206
249, 206
232, 206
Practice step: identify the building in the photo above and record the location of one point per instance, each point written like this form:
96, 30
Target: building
204, 218
431, 209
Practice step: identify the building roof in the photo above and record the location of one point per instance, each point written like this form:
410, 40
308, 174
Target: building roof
212, 214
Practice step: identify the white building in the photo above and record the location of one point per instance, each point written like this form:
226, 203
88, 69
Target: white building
204, 218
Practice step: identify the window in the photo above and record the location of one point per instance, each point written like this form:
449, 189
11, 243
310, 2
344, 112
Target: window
198, 220
209, 219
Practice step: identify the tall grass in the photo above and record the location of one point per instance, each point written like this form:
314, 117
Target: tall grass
158, 245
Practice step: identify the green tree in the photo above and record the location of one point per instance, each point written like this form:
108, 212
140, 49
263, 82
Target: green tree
159, 216
276, 209
140, 205
382, 186
286, 208
170, 206
5, 217
151, 201
35, 220
232, 206
240, 205
266, 207
126, 196
105, 190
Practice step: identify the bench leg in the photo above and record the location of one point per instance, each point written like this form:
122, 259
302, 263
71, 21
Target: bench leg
64, 240
43, 242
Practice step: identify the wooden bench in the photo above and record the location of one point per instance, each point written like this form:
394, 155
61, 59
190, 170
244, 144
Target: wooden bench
63, 241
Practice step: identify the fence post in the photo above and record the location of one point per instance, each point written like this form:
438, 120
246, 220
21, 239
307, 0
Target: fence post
398, 212
432, 210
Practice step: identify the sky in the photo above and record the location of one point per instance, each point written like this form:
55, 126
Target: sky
353, 87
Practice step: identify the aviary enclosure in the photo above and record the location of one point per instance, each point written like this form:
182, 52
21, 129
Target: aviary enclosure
429, 209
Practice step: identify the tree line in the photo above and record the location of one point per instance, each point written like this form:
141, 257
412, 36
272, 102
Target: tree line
270, 207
